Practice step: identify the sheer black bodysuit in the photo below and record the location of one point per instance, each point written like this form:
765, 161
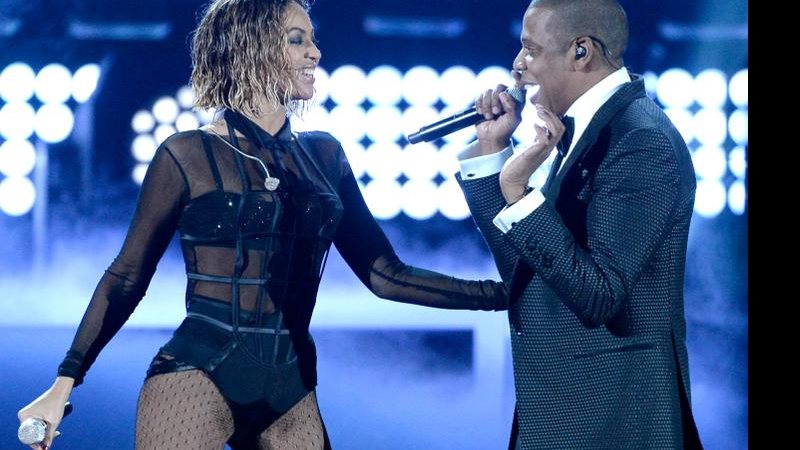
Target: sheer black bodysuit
253, 259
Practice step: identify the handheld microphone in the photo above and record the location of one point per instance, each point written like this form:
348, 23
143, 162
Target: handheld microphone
32, 430
458, 121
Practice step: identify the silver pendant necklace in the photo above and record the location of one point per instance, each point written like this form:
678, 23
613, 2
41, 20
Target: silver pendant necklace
270, 183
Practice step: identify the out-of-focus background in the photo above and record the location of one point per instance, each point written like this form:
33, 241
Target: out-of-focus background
89, 88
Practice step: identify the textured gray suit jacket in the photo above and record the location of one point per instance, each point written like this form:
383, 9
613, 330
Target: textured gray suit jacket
596, 279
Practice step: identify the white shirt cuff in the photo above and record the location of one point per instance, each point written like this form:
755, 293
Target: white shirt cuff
482, 166
510, 215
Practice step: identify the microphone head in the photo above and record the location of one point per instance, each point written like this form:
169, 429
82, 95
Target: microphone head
517, 93
32, 431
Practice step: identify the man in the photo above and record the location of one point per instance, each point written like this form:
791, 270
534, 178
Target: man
595, 258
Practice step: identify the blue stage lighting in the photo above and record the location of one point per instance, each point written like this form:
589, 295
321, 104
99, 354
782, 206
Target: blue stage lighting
738, 126
383, 198
711, 88
17, 158
16, 82
53, 84
84, 82
17, 121
17, 195
675, 88
419, 199
710, 199
421, 86
710, 126
54, 122
737, 88
348, 86
384, 86
384, 124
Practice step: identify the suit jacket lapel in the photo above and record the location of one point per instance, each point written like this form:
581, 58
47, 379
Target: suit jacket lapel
522, 273
624, 96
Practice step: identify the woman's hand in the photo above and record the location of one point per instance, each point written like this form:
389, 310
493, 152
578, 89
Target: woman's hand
49, 407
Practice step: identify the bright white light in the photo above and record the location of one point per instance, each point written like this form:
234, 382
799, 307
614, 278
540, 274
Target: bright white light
738, 126
421, 86
675, 88
17, 158
17, 120
448, 160
355, 156
709, 162
163, 132
416, 117
16, 82
139, 172
384, 124
144, 148
383, 161
348, 85
450, 199
525, 131
348, 123
185, 97
463, 135
710, 126
17, 195
710, 199
314, 119
458, 87
683, 121
322, 86
737, 89
420, 199
166, 110
650, 83
737, 162
383, 198
711, 88
539, 176
204, 116
384, 86
737, 197
491, 76
420, 161
84, 82
53, 84
186, 121
143, 122
54, 122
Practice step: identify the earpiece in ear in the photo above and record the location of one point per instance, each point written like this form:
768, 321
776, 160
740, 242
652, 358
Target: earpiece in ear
580, 51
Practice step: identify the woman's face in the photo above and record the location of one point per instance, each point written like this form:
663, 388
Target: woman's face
303, 52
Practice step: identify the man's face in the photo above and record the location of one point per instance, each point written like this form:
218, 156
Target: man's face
543, 61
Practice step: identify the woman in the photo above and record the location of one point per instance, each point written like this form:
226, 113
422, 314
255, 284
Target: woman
256, 208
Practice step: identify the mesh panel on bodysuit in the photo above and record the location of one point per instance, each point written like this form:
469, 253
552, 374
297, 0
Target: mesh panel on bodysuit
182, 410
299, 429
186, 410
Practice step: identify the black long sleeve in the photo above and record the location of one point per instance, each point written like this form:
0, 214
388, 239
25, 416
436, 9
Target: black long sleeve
369, 254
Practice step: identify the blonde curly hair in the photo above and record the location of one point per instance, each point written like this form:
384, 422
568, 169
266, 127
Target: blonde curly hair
239, 56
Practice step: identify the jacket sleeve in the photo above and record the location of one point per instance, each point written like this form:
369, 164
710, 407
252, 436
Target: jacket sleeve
636, 200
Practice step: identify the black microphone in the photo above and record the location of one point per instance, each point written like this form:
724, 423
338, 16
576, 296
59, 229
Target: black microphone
458, 121
33, 430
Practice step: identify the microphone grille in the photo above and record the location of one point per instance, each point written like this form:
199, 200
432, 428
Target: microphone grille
517, 94
32, 431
